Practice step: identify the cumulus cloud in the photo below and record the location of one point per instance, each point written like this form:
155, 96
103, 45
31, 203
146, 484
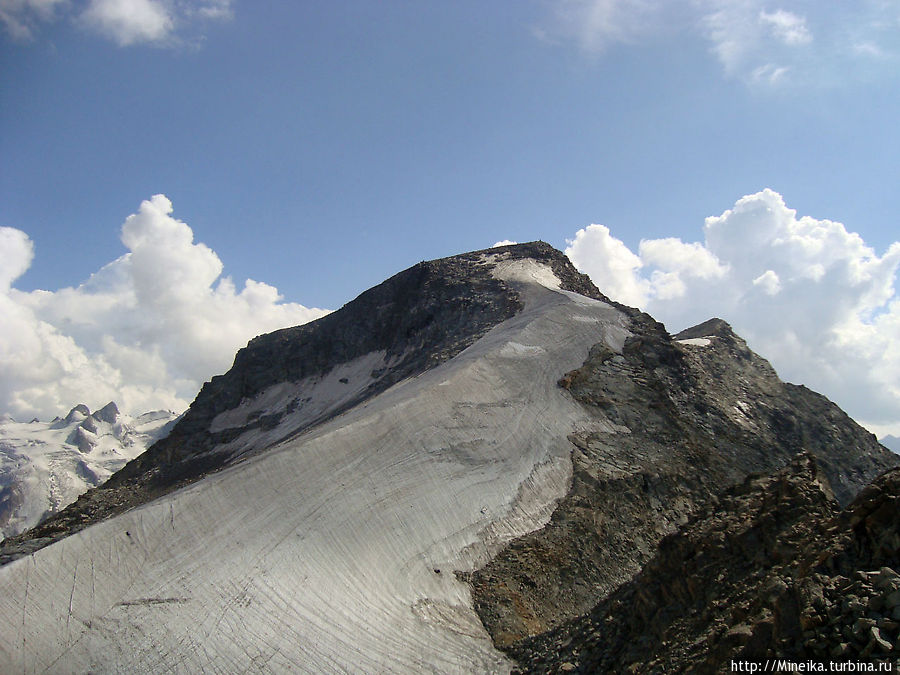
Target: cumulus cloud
128, 22
125, 22
18, 252
610, 263
146, 330
505, 242
806, 293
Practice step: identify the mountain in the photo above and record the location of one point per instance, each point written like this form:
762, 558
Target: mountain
469, 455
45, 466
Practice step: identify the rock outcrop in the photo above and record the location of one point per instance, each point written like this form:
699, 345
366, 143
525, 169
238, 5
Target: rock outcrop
769, 569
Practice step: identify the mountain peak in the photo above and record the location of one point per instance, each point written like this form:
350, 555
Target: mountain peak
77, 413
409, 323
714, 327
108, 413
288, 381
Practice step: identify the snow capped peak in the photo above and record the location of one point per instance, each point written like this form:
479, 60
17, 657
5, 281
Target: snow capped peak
108, 413
78, 413
44, 466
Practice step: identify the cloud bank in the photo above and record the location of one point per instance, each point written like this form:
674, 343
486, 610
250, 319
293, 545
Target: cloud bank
807, 294
146, 330
125, 22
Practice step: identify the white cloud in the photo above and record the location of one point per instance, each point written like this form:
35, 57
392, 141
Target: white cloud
215, 9
769, 73
745, 37
870, 50
730, 29
762, 43
769, 282
129, 22
125, 22
673, 255
787, 27
807, 294
145, 330
505, 242
610, 263
20, 17
743, 34
17, 253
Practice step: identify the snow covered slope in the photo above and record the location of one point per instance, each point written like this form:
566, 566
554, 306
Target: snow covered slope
334, 550
44, 466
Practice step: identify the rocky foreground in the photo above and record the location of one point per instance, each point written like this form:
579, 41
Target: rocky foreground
771, 569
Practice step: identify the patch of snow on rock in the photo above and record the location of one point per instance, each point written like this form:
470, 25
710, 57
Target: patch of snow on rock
696, 342
513, 349
526, 270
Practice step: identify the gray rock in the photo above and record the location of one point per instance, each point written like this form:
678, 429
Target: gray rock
108, 413
881, 644
892, 599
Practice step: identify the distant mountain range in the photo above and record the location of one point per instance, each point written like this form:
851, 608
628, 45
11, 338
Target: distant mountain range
479, 465
45, 466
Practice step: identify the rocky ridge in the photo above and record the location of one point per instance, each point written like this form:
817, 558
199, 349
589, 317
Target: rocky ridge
769, 569
691, 413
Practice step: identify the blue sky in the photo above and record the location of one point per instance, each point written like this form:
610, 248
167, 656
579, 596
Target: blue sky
318, 148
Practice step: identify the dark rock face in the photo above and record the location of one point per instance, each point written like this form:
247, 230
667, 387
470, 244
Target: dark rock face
11, 496
698, 417
108, 413
769, 569
420, 318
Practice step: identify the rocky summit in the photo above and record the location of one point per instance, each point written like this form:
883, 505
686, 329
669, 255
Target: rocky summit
482, 464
